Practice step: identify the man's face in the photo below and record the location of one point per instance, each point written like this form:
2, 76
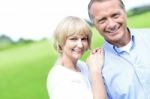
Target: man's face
110, 20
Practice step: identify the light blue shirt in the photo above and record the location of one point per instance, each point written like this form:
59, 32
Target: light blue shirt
126, 70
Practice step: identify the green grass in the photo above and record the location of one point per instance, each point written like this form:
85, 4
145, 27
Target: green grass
139, 21
24, 69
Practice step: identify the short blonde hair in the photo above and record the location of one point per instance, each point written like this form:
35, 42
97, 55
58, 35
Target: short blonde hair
69, 26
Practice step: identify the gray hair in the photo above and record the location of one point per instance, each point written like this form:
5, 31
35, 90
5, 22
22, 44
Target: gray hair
92, 1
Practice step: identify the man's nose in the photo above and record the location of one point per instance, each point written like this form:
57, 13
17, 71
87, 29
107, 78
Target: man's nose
111, 24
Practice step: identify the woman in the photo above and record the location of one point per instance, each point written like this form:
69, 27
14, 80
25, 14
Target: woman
69, 78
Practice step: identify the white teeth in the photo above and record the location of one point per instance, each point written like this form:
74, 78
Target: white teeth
113, 30
79, 51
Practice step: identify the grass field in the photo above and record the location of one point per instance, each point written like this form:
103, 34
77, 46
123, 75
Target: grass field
24, 69
140, 21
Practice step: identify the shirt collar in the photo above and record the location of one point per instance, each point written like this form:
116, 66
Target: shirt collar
127, 48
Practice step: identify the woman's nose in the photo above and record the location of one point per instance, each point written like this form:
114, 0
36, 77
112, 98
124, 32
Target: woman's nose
79, 43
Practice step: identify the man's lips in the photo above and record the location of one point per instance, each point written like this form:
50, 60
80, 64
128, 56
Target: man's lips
113, 32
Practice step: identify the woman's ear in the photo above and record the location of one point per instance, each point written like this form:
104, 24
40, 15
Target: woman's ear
60, 48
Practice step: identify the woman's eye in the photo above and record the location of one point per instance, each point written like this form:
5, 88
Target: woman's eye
73, 39
84, 39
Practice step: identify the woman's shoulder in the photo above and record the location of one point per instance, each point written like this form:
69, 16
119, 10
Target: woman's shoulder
54, 73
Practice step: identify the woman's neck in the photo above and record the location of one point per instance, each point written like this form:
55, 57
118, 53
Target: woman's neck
68, 63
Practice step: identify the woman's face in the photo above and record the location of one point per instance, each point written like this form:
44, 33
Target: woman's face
75, 46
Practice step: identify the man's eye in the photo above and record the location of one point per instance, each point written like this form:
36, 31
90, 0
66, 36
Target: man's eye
115, 15
102, 21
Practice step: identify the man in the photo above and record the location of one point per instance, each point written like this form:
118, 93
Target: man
126, 69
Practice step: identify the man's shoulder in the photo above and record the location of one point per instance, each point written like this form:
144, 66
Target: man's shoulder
82, 65
142, 33
140, 30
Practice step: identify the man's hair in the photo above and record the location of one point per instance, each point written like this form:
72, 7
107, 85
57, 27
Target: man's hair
92, 1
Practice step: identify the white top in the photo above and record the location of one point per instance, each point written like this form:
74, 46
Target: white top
63, 83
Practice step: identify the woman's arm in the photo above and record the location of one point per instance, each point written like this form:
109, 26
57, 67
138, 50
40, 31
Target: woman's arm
95, 63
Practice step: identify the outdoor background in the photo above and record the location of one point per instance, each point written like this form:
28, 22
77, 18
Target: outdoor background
26, 49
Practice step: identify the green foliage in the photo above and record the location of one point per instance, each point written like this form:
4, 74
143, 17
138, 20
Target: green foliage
22, 41
5, 42
139, 10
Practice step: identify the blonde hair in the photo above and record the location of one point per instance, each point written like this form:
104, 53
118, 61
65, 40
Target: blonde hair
69, 26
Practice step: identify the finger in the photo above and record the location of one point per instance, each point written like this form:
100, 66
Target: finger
95, 50
101, 50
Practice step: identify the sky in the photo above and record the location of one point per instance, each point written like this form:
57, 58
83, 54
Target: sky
35, 19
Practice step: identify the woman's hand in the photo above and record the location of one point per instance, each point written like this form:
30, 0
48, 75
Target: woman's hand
95, 60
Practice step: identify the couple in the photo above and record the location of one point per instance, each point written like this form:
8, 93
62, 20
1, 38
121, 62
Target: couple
125, 66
